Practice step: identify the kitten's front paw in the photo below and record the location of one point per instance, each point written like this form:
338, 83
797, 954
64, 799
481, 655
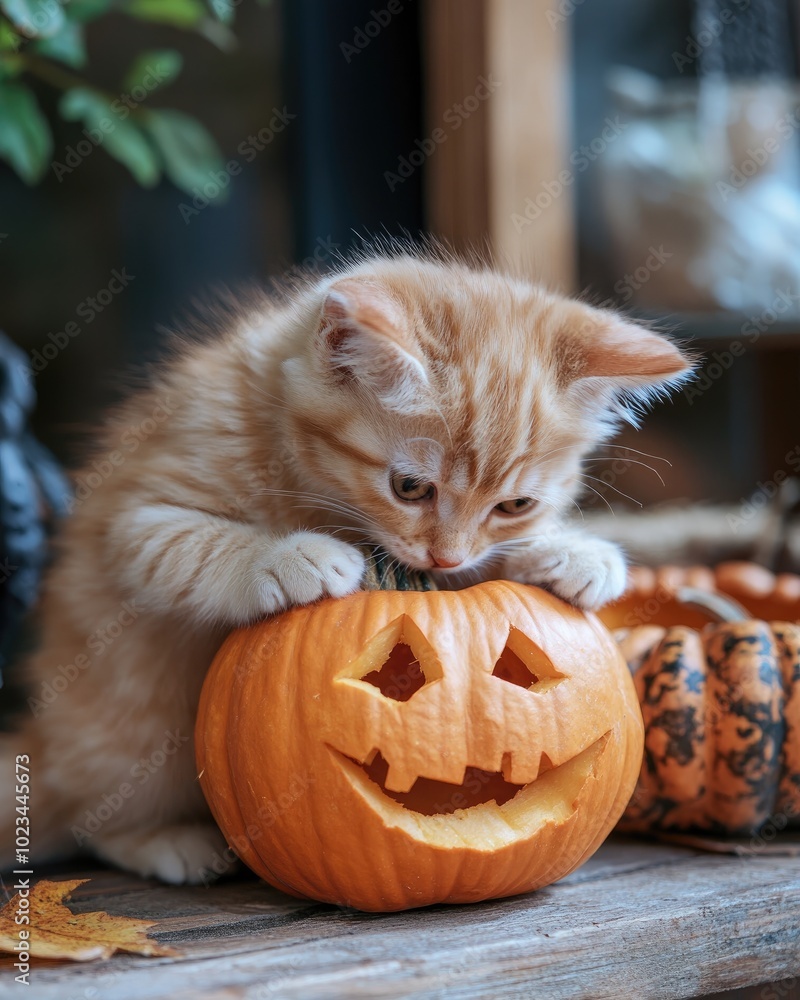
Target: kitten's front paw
586, 572
181, 854
305, 566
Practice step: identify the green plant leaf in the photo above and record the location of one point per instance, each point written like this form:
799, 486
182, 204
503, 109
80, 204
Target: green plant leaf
223, 10
87, 10
10, 65
191, 156
218, 34
119, 136
25, 138
34, 18
9, 39
180, 13
153, 69
68, 46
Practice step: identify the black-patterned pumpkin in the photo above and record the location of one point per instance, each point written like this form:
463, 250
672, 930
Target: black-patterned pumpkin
720, 699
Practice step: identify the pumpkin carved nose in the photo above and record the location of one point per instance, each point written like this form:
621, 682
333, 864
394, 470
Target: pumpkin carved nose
444, 562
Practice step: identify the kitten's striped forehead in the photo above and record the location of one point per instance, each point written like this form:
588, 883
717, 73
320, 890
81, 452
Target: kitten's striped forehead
490, 374
486, 343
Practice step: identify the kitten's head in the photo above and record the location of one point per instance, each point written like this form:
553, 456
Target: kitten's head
453, 406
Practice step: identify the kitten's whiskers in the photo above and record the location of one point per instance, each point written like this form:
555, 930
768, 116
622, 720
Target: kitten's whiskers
585, 475
630, 461
597, 492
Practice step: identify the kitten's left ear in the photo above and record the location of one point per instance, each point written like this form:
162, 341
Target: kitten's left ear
364, 337
609, 352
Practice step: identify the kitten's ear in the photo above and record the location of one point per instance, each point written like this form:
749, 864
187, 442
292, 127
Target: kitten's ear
607, 352
364, 337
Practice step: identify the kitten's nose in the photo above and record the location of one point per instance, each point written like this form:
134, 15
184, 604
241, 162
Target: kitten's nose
442, 562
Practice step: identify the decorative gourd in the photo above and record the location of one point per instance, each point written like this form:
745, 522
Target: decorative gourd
649, 597
390, 750
720, 699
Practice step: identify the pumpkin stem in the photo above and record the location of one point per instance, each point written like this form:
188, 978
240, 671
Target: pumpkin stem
718, 606
385, 573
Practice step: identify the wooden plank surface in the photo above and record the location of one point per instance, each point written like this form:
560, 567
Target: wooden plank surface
638, 920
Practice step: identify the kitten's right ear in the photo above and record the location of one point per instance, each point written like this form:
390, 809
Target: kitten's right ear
364, 338
609, 358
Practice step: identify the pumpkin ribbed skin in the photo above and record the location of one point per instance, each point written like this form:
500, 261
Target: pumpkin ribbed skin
286, 718
648, 598
720, 702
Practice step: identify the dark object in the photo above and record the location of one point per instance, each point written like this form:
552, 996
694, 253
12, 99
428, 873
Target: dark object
747, 40
352, 76
385, 573
33, 492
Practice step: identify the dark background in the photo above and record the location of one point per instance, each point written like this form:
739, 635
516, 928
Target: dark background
319, 187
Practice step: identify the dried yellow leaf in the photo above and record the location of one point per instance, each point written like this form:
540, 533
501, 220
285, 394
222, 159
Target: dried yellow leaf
56, 932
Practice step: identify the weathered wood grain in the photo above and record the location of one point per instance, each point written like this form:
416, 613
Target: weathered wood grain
515, 146
639, 920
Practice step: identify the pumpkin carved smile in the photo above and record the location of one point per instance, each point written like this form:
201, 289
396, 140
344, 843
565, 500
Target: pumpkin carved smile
432, 810
449, 746
431, 797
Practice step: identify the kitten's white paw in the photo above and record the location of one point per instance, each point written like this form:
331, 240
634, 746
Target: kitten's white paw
305, 566
586, 572
180, 854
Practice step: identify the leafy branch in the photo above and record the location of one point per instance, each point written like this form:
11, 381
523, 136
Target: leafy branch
46, 40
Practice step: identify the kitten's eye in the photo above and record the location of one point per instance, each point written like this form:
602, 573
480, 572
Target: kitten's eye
409, 488
518, 506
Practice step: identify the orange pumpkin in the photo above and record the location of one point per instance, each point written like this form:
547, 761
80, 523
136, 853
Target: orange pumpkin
650, 596
391, 750
720, 700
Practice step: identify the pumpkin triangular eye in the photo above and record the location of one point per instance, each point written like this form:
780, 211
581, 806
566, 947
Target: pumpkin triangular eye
511, 668
398, 661
400, 676
524, 664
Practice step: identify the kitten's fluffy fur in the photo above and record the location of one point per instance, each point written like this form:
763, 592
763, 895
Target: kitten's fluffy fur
223, 490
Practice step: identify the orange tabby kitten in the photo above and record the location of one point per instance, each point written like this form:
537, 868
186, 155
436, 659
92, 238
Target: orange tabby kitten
439, 410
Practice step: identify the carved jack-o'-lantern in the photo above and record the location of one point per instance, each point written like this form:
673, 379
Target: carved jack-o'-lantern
390, 750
